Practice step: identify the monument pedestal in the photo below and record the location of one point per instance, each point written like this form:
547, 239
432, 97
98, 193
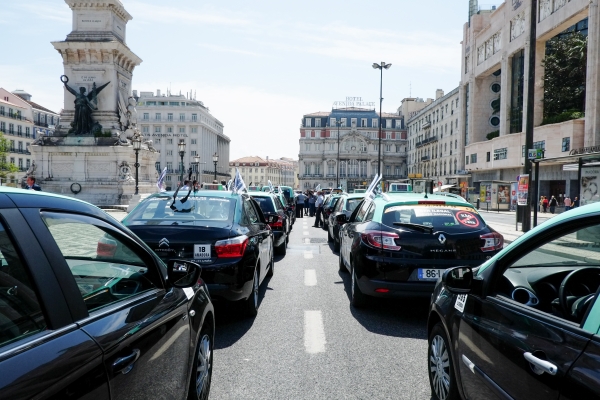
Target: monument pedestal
102, 175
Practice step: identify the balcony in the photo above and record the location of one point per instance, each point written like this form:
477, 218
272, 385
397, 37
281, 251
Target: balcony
426, 125
425, 158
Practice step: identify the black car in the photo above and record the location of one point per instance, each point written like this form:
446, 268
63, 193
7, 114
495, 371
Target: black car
328, 206
344, 205
87, 310
526, 323
224, 232
400, 244
277, 218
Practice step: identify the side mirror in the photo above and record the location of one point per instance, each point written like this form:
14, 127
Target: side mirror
183, 273
458, 279
341, 218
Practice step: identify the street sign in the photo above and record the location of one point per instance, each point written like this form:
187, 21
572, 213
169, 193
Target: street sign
535, 154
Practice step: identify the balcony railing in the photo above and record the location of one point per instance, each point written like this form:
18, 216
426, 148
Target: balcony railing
426, 125
425, 158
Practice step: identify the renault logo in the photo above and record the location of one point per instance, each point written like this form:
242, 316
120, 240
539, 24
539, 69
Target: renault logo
164, 242
442, 238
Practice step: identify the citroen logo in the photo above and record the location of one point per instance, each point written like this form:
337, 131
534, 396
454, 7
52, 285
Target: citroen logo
442, 238
164, 242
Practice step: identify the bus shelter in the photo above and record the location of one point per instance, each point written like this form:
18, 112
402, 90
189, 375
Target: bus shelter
495, 195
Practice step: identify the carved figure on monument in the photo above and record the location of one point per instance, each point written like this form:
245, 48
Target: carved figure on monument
125, 172
150, 144
84, 105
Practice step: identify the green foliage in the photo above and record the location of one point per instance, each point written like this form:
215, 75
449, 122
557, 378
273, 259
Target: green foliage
562, 117
492, 135
565, 74
106, 133
496, 106
6, 167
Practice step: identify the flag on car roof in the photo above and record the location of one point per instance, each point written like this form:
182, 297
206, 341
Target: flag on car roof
373, 189
318, 187
271, 188
161, 178
238, 183
228, 187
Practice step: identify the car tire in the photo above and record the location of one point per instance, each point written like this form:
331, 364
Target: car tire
441, 369
329, 237
202, 367
282, 248
252, 300
357, 298
272, 264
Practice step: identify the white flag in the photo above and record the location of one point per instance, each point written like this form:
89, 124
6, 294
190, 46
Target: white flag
238, 183
271, 188
372, 189
318, 187
161, 178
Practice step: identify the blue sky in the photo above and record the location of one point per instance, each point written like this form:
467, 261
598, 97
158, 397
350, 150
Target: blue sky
259, 65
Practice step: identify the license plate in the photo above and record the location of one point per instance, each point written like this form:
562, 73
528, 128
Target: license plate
201, 251
427, 274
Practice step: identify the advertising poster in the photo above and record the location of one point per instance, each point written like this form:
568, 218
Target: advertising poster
503, 194
522, 190
513, 195
590, 177
482, 192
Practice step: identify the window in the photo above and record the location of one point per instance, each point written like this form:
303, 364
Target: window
540, 145
466, 159
169, 166
157, 166
353, 122
318, 122
169, 141
20, 311
307, 146
397, 148
157, 141
333, 122
388, 135
169, 129
157, 116
157, 129
487, 156
307, 122
307, 169
19, 130
317, 147
169, 152
388, 147
170, 117
182, 116
398, 124
145, 129
193, 141
500, 154
473, 158
194, 117
343, 122
105, 267
27, 131
250, 215
363, 122
566, 144
331, 146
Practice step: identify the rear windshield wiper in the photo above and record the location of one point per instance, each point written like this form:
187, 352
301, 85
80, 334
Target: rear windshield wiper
418, 227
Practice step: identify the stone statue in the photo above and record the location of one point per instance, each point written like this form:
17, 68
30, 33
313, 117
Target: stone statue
84, 105
128, 119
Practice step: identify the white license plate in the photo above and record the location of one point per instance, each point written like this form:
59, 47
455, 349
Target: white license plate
427, 274
201, 251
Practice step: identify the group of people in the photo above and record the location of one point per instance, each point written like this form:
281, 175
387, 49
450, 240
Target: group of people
310, 204
552, 203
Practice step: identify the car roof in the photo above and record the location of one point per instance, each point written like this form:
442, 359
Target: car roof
414, 198
198, 193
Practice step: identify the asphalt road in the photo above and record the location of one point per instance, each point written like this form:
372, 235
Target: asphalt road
307, 342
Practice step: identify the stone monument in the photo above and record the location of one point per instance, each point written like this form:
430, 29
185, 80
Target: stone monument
90, 155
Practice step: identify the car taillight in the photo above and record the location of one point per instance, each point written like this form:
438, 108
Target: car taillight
492, 241
106, 248
277, 224
381, 240
231, 248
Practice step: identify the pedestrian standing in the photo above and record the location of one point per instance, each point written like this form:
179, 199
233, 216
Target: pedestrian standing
318, 210
300, 204
553, 203
545, 204
576, 202
306, 204
567, 203
311, 203
31, 185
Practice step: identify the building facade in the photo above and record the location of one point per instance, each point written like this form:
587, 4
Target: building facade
257, 171
350, 158
16, 122
494, 89
435, 143
169, 119
44, 120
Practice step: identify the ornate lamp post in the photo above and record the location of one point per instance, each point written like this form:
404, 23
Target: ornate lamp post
197, 164
338, 123
380, 67
137, 145
181, 148
215, 161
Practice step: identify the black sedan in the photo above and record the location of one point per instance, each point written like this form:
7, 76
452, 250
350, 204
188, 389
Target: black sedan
224, 232
400, 244
87, 310
340, 214
328, 206
277, 218
526, 323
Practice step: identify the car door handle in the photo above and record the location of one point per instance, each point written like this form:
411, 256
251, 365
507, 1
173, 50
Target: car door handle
540, 366
125, 364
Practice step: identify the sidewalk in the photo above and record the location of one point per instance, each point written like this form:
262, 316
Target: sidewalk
507, 227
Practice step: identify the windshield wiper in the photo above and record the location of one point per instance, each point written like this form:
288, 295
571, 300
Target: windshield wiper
418, 227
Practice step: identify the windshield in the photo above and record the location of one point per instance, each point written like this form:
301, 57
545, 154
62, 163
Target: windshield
447, 218
200, 210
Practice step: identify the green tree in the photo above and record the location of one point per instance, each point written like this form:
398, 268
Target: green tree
565, 73
6, 167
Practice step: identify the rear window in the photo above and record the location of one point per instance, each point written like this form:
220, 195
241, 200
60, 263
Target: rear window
197, 210
352, 203
448, 218
265, 203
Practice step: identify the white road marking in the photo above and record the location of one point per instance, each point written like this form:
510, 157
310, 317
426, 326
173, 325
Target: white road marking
305, 233
308, 255
314, 332
310, 277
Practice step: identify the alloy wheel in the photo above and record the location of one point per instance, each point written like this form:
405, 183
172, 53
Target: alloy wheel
439, 367
204, 367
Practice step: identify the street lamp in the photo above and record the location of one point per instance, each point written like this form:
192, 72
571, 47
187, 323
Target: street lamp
380, 67
181, 148
338, 123
137, 145
197, 164
215, 161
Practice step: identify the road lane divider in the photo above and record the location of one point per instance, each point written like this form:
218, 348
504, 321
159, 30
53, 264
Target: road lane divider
308, 255
310, 277
314, 332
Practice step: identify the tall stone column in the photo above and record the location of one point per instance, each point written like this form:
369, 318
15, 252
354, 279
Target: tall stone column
505, 65
592, 84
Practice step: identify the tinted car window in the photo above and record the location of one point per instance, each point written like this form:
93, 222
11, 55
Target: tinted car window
265, 203
449, 218
20, 312
196, 210
250, 212
105, 269
363, 210
352, 203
